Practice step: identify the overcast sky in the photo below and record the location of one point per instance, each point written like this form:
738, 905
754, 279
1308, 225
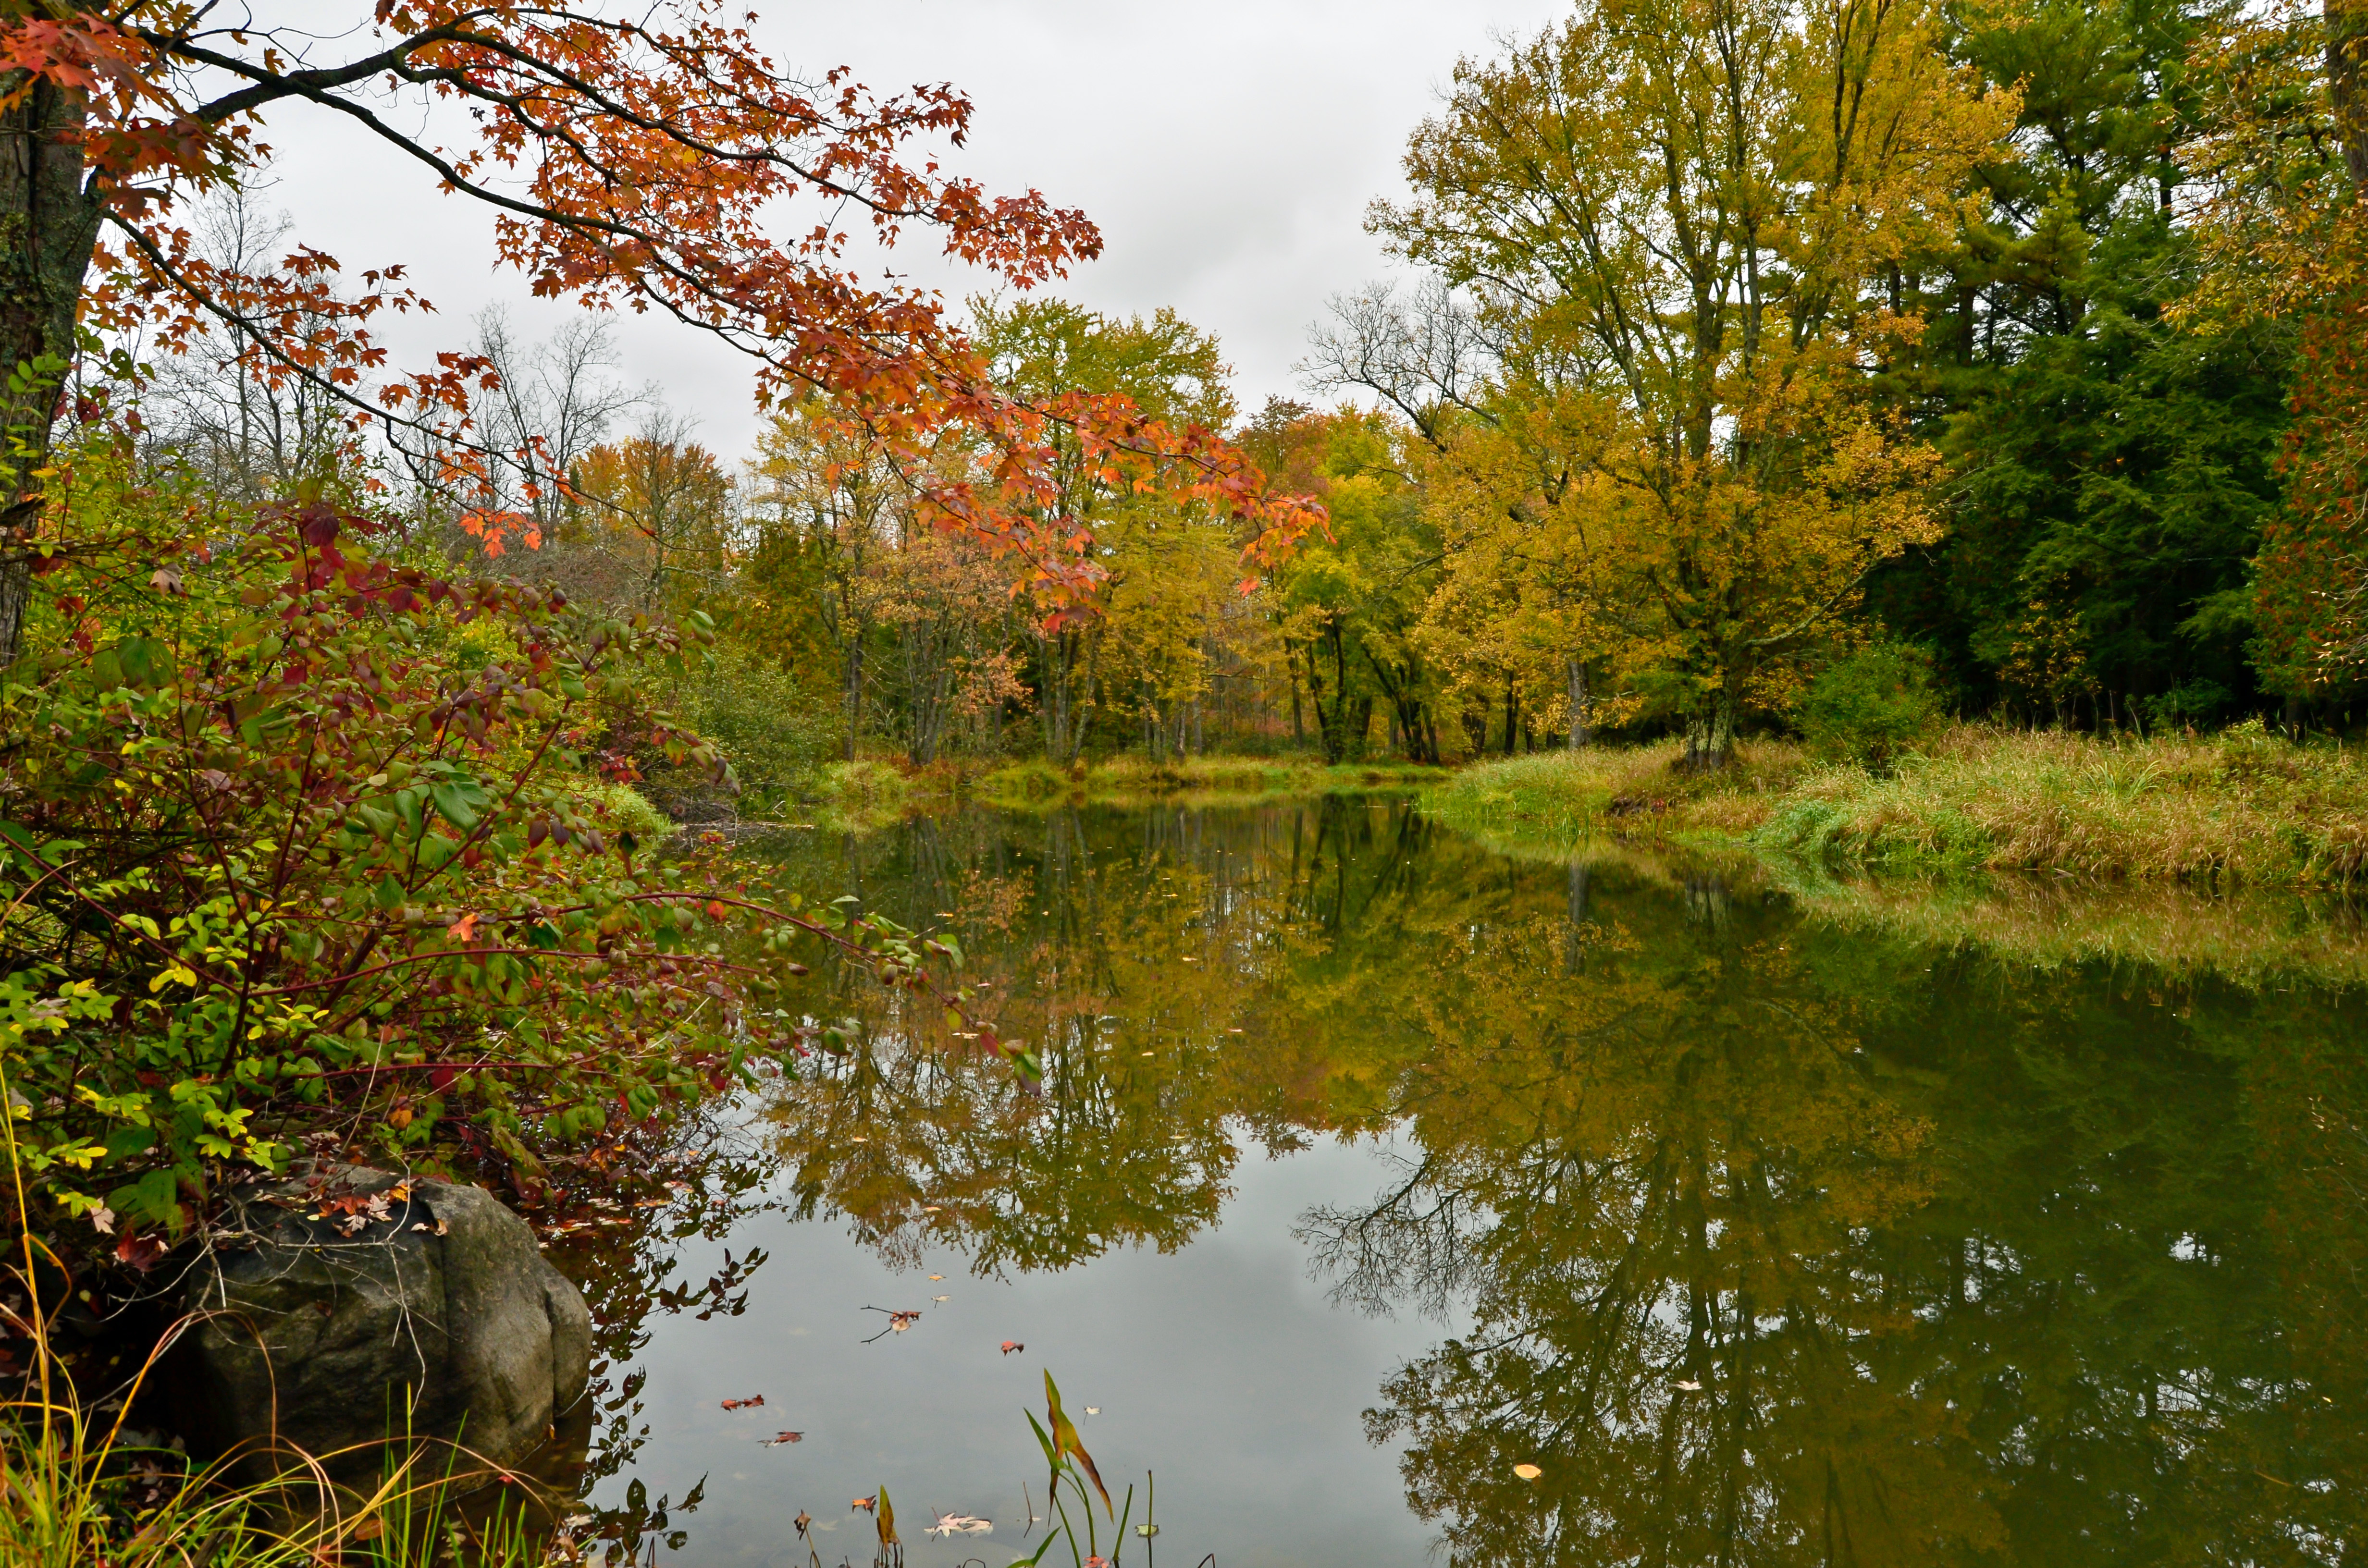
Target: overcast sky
1226, 149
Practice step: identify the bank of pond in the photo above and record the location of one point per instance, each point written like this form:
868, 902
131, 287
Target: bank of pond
1531, 1195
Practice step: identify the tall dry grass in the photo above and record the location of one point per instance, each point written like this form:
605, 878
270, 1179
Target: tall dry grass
2242, 806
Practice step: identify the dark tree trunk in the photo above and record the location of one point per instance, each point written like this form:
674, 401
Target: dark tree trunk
48, 221
2347, 84
1577, 705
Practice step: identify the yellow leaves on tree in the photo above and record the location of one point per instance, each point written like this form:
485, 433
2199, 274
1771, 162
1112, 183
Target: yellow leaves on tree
1678, 217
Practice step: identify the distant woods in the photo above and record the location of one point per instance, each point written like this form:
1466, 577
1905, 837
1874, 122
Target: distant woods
2016, 348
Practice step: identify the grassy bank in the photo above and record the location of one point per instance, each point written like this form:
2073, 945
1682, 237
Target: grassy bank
2241, 807
1129, 780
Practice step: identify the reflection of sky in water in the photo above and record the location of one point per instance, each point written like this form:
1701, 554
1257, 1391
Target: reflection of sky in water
1221, 1367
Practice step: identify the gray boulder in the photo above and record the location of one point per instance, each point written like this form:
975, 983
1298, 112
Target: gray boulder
345, 1305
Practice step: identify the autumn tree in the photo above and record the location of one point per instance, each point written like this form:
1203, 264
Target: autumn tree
1164, 561
660, 505
649, 158
826, 502
1349, 607
2284, 221
1674, 216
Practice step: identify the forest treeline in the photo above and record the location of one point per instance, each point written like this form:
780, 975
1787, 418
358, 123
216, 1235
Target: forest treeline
1999, 358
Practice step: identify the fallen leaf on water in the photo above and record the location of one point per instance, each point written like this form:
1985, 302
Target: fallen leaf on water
866, 1504
1527, 1472
1147, 1532
370, 1530
897, 1322
778, 1438
1093, 1410
1691, 1388
929, 1209
1011, 1344
960, 1524
936, 1277
941, 1298
750, 1402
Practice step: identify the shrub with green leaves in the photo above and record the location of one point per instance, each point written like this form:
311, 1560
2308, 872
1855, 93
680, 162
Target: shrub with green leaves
302, 843
1871, 706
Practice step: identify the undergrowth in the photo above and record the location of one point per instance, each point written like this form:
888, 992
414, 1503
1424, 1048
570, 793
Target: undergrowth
2242, 806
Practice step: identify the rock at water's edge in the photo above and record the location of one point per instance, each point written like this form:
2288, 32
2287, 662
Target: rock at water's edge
316, 1340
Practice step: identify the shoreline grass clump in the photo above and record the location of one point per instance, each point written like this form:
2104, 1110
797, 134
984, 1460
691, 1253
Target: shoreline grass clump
2245, 805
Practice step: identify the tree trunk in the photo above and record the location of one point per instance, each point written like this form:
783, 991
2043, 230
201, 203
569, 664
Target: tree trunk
2347, 84
1512, 715
854, 694
1710, 735
1577, 705
48, 221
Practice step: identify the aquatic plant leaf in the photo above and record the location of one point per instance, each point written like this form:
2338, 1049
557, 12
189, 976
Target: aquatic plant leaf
1527, 1472
750, 1402
1065, 1436
885, 1517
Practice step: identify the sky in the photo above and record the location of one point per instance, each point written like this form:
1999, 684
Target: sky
1228, 149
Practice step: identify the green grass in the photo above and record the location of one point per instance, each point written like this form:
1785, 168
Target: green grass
1555, 800
1126, 780
2240, 807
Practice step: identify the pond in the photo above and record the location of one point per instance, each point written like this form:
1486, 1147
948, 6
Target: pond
1387, 1194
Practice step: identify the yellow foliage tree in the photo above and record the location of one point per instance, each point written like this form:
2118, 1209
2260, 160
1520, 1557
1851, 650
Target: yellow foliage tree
1678, 217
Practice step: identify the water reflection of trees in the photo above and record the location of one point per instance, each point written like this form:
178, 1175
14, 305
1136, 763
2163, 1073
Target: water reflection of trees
1140, 956
1779, 1243
1781, 1246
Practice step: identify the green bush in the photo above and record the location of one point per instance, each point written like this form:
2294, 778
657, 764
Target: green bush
303, 841
773, 731
1872, 706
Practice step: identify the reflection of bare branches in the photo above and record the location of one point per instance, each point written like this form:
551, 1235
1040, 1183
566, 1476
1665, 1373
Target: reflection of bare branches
1414, 1245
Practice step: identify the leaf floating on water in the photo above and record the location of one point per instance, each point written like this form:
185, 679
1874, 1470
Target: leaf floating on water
1691, 1387
1527, 1472
866, 1504
1093, 1410
1011, 1344
779, 1439
1147, 1532
936, 1277
751, 1403
941, 1298
960, 1524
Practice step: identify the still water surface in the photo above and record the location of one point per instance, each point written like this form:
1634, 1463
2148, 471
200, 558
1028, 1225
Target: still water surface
1370, 1164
